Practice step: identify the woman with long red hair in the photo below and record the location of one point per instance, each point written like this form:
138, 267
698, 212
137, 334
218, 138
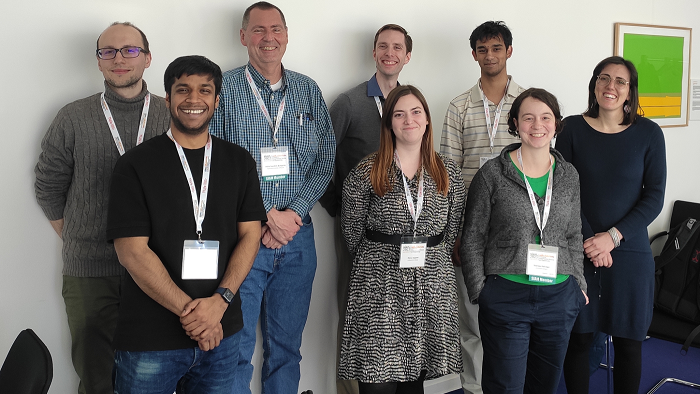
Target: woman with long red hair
400, 216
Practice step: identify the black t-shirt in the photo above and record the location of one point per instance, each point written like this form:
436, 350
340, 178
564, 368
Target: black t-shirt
150, 197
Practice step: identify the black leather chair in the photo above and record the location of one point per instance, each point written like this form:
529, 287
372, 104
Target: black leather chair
28, 368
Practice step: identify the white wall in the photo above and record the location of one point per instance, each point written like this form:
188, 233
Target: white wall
47, 61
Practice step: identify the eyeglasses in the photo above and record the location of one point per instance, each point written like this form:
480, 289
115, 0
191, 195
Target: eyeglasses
111, 53
604, 80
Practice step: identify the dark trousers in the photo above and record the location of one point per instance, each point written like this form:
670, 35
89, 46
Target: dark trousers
525, 332
92, 307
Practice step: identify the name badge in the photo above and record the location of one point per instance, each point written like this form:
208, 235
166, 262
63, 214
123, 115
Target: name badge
542, 263
274, 163
413, 252
484, 159
200, 260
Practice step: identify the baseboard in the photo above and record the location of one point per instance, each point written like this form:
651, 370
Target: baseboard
443, 384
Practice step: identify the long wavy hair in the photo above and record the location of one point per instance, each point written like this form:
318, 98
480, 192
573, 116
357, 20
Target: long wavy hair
381, 175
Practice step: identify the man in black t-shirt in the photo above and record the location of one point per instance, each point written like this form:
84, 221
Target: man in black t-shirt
185, 216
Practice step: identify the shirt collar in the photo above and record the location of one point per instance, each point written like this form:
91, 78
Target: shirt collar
373, 89
261, 81
512, 90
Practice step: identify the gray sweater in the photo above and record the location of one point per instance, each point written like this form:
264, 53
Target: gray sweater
74, 171
499, 222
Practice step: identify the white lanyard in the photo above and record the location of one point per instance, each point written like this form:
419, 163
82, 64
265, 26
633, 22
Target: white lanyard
533, 201
413, 210
379, 106
113, 126
261, 104
199, 205
497, 116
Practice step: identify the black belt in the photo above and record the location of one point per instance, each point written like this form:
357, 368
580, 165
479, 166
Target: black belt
395, 239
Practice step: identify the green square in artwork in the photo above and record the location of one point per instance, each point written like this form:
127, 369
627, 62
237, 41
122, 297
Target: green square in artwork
659, 61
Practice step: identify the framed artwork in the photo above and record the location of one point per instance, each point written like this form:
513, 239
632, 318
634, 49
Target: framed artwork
662, 57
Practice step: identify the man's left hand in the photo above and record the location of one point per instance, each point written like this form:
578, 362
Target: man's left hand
202, 315
283, 225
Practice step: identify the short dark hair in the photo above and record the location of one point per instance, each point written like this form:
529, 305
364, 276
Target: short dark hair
630, 115
391, 26
540, 95
491, 29
146, 48
263, 5
192, 65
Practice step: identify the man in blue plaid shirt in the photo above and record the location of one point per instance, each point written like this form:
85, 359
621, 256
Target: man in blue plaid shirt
280, 117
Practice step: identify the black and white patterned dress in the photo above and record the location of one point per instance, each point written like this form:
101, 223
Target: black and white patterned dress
400, 321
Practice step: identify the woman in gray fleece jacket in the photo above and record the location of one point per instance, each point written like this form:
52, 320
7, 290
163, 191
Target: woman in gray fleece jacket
525, 270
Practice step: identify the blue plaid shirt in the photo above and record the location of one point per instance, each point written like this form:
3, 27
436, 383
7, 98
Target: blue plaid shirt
311, 144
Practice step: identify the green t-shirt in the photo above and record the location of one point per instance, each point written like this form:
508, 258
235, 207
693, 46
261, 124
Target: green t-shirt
539, 187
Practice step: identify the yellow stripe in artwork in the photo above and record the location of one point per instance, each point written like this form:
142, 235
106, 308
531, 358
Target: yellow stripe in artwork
661, 107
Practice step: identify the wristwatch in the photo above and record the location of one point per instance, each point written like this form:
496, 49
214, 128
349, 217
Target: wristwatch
226, 294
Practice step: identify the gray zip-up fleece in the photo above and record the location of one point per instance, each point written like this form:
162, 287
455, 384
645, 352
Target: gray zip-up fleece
499, 222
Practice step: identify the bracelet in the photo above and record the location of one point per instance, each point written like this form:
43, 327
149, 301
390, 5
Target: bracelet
615, 236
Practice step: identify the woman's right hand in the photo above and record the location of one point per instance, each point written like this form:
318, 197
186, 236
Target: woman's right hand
602, 260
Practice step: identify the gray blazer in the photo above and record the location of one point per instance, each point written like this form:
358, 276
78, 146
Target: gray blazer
499, 222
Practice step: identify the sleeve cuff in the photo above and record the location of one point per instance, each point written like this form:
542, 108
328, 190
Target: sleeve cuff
53, 213
300, 208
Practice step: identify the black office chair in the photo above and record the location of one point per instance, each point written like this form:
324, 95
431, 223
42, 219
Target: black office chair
663, 325
28, 368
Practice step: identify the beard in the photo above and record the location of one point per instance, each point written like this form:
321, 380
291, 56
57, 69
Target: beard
189, 130
126, 84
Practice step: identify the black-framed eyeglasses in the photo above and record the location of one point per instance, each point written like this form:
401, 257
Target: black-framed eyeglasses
111, 53
604, 79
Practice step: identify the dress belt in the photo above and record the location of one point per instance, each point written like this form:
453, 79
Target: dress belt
395, 239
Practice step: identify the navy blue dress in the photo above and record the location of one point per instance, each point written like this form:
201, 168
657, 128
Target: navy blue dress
623, 180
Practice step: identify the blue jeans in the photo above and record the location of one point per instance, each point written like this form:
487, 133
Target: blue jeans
278, 291
525, 333
190, 371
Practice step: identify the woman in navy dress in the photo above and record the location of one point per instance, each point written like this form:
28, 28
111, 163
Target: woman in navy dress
621, 159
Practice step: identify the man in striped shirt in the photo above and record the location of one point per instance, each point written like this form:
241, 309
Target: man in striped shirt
280, 117
475, 130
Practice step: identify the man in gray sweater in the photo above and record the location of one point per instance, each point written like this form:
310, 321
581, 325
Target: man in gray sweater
73, 176
356, 116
